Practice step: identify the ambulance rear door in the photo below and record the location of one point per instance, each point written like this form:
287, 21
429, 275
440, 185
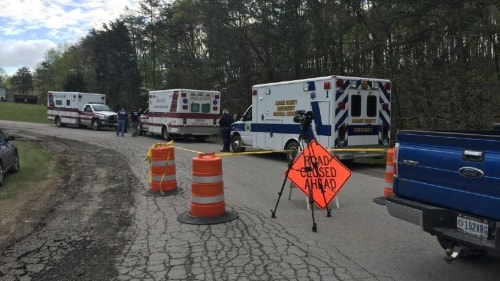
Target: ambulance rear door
362, 122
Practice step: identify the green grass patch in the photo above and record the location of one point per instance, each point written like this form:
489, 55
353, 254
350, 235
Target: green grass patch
35, 113
36, 165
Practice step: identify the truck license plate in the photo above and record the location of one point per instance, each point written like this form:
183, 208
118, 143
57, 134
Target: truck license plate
472, 226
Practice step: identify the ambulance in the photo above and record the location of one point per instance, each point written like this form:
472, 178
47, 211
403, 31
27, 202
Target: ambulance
351, 116
82, 109
182, 113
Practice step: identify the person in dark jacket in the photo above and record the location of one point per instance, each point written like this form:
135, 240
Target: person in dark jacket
225, 129
134, 122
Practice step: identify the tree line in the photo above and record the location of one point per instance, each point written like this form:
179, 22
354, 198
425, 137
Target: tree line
441, 55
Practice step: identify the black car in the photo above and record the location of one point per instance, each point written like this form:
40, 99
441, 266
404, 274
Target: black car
9, 159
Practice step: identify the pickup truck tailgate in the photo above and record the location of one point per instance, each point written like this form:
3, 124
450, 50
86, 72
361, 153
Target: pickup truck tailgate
456, 170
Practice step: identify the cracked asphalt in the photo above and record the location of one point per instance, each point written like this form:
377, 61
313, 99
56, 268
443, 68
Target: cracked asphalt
103, 227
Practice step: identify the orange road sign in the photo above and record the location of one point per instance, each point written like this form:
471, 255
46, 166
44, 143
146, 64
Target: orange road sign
316, 170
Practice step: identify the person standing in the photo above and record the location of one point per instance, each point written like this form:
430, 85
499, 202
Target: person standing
236, 117
134, 122
225, 130
122, 122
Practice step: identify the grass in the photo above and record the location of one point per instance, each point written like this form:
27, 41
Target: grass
36, 165
23, 112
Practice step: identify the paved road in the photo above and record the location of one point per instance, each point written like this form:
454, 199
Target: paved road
358, 242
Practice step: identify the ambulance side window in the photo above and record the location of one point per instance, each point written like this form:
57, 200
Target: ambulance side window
205, 108
355, 105
248, 115
68, 103
371, 106
87, 108
195, 107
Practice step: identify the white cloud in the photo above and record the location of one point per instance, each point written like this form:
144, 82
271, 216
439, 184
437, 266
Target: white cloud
19, 53
29, 28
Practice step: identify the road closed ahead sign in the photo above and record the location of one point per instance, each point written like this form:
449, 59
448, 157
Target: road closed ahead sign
316, 170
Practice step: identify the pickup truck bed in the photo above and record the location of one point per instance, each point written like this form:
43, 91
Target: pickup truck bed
448, 182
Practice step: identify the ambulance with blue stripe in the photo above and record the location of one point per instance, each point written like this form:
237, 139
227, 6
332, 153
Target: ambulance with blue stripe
351, 116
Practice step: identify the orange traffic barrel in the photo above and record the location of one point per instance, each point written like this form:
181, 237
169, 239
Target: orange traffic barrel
162, 179
207, 191
388, 179
389, 173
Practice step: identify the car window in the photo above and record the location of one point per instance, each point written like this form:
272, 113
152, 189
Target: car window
3, 137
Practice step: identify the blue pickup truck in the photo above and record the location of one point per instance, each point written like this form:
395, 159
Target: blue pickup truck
448, 183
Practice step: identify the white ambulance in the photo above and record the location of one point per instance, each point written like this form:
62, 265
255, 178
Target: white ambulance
183, 112
349, 115
82, 109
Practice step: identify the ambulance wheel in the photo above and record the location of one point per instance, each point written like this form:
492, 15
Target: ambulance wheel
236, 144
292, 149
58, 122
165, 134
96, 125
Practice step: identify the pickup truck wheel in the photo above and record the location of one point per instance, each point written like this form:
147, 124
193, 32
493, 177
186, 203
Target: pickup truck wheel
96, 125
292, 150
236, 144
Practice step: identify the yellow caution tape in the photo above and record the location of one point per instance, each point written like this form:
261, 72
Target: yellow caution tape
359, 150
148, 158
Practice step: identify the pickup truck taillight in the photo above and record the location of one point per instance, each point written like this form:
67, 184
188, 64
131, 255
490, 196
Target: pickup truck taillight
395, 159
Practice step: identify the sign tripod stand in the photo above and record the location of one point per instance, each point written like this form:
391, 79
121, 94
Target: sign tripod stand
305, 120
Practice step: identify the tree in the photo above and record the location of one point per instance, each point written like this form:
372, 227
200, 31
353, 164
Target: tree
75, 82
22, 81
113, 58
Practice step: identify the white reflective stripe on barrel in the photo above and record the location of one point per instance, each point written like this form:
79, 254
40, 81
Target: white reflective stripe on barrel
389, 168
210, 179
388, 185
162, 163
207, 199
164, 178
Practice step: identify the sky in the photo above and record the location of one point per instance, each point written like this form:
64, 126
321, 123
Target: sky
29, 28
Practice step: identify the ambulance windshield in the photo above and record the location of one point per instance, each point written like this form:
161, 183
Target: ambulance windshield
101, 107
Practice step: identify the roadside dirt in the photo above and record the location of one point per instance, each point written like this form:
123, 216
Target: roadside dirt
19, 212
72, 227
